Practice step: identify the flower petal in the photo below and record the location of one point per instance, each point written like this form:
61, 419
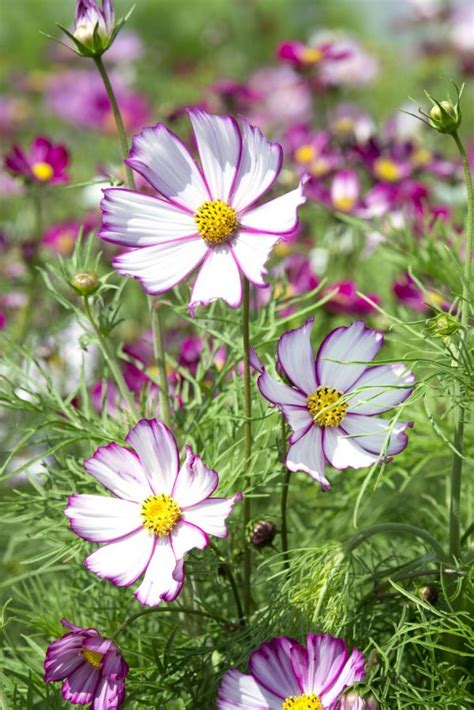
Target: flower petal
306, 454
109, 694
271, 667
330, 668
219, 144
242, 692
60, 662
119, 470
159, 583
380, 388
295, 356
260, 165
341, 349
195, 481
163, 159
218, 277
158, 452
135, 220
162, 267
251, 251
344, 452
210, 514
279, 393
279, 216
185, 537
122, 561
102, 519
79, 688
379, 436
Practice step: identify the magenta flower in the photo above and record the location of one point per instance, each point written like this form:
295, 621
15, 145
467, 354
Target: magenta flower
161, 511
331, 403
407, 292
91, 667
205, 217
3, 320
345, 299
46, 163
344, 195
61, 238
305, 55
284, 675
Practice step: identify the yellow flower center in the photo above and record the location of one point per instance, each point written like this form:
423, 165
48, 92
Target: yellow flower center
319, 167
160, 514
305, 153
344, 203
343, 125
327, 408
216, 221
420, 157
92, 657
42, 171
302, 702
311, 55
386, 169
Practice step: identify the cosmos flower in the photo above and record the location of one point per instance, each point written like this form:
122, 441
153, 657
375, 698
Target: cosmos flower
45, 163
284, 675
344, 299
306, 56
201, 218
91, 667
161, 511
344, 195
285, 98
61, 238
353, 701
94, 27
332, 402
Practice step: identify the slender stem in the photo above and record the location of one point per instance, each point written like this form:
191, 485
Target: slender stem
247, 442
284, 497
32, 263
174, 610
400, 529
109, 356
233, 585
457, 465
159, 350
118, 118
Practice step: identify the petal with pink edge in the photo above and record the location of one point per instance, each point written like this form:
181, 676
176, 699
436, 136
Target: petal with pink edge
379, 436
80, 687
195, 481
239, 692
158, 452
260, 165
58, 667
162, 267
279, 393
330, 668
295, 355
159, 583
219, 145
271, 667
163, 159
306, 454
135, 220
278, 216
186, 537
210, 514
251, 251
102, 519
380, 388
343, 452
122, 561
218, 277
119, 470
343, 348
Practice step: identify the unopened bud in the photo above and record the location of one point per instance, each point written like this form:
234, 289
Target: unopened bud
428, 593
85, 283
445, 117
443, 325
262, 534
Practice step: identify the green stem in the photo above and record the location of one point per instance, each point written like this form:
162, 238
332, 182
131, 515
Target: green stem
458, 442
110, 359
159, 350
118, 119
398, 529
284, 497
233, 585
32, 263
173, 610
247, 443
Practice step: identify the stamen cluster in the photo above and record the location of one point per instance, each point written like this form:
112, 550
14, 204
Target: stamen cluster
216, 221
327, 407
160, 514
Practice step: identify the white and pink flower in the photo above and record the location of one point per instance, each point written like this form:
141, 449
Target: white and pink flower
332, 402
284, 675
161, 511
202, 216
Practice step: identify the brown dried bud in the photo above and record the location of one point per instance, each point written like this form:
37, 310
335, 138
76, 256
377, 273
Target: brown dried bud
85, 283
428, 593
262, 534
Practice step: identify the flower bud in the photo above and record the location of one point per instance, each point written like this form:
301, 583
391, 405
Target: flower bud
445, 117
85, 283
94, 27
443, 325
428, 593
262, 534
353, 701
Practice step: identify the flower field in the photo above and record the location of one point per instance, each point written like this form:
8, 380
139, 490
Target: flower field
236, 354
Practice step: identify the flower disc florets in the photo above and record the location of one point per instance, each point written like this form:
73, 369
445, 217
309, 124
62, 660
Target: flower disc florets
326, 406
93, 658
160, 514
302, 702
216, 221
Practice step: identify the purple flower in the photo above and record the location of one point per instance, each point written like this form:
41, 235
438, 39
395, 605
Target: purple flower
45, 163
412, 296
331, 403
350, 121
91, 667
304, 56
284, 675
202, 216
159, 513
345, 299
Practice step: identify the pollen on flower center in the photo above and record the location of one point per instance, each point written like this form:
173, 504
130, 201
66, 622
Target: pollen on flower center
302, 702
311, 55
305, 153
160, 514
344, 203
92, 657
386, 169
327, 407
42, 171
216, 221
